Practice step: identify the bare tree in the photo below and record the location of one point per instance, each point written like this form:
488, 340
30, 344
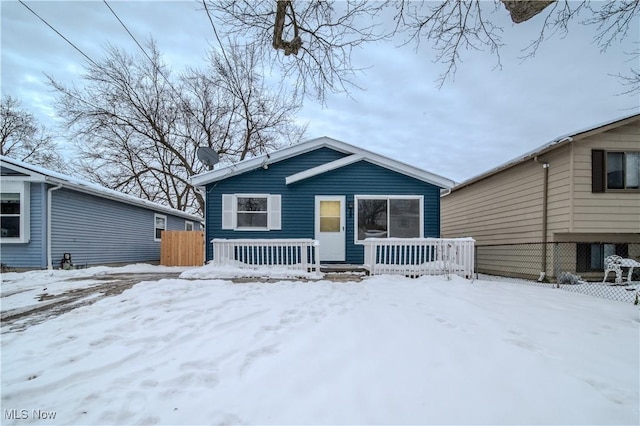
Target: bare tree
137, 125
23, 139
322, 36
318, 36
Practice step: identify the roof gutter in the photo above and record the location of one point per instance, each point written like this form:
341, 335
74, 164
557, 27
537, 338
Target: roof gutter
49, 209
134, 202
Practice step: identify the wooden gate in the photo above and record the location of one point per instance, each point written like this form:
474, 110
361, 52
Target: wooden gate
182, 248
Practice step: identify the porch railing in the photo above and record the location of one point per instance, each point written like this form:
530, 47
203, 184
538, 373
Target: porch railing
294, 254
420, 256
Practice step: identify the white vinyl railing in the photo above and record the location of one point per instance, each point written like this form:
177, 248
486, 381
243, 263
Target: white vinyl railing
296, 254
420, 256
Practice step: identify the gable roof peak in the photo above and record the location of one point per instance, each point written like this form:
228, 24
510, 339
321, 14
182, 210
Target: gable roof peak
312, 145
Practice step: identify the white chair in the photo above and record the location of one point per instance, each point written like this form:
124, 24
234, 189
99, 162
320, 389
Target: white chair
613, 264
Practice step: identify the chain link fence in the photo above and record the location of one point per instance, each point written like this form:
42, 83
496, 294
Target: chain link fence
571, 266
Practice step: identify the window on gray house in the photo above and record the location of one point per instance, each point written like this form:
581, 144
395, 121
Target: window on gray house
159, 226
10, 215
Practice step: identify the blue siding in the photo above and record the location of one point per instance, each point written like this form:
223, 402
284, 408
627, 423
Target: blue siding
96, 230
298, 199
33, 253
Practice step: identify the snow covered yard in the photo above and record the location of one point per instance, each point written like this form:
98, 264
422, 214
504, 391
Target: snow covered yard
387, 350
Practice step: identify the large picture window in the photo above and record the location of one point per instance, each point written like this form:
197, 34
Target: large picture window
389, 216
14, 212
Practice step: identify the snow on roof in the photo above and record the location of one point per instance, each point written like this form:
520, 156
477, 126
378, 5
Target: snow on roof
93, 188
555, 143
313, 144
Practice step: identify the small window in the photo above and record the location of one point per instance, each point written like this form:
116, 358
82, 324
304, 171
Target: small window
188, 226
388, 216
623, 170
251, 212
14, 212
159, 226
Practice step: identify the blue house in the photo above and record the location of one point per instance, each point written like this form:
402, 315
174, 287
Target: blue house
45, 214
322, 189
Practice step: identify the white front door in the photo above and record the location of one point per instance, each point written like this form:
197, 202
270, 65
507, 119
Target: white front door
330, 225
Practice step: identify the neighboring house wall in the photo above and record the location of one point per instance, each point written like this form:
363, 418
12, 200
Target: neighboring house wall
96, 230
503, 208
611, 211
504, 211
298, 199
559, 191
32, 253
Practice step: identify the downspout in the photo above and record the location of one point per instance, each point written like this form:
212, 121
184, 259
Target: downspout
49, 193
545, 202
203, 192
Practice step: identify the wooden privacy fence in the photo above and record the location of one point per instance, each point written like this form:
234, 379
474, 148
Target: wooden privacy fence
297, 254
182, 248
420, 256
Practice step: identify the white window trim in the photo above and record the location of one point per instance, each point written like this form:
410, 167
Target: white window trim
188, 222
384, 197
23, 188
274, 212
155, 216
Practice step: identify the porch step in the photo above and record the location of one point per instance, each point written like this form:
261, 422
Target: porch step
341, 268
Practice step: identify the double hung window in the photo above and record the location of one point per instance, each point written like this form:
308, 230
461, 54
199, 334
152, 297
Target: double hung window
14, 212
160, 224
251, 212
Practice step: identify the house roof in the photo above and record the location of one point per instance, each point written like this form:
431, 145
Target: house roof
34, 173
356, 154
550, 146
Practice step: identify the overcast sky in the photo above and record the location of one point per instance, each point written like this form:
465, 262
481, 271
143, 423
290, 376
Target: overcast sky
482, 118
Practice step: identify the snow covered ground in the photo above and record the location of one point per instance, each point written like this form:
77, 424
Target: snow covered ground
387, 350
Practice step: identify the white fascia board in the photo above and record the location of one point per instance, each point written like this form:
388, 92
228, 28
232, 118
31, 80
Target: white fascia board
313, 144
327, 167
267, 159
550, 146
31, 176
40, 174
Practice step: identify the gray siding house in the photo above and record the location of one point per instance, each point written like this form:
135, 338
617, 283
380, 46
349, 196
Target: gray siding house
45, 214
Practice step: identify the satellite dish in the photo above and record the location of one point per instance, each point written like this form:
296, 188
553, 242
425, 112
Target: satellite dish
208, 156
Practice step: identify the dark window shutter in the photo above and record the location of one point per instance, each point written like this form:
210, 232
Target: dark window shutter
597, 171
583, 257
622, 250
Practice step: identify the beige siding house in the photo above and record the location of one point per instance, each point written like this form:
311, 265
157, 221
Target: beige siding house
561, 208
